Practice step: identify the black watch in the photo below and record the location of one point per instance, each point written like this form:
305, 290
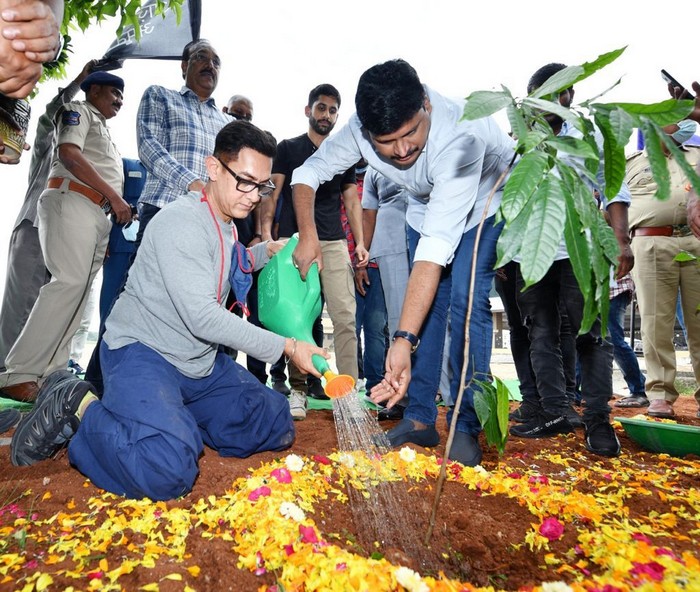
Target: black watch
410, 337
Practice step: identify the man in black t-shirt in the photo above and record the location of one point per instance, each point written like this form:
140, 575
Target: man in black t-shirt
337, 274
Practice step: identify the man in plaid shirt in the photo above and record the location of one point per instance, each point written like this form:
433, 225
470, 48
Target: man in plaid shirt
175, 131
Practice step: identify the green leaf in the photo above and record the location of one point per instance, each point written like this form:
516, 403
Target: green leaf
663, 113
604, 59
512, 236
544, 230
577, 245
684, 256
488, 403
573, 146
614, 160
657, 159
549, 107
517, 121
568, 77
503, 396
679, 156
481, 405
526, 175
483, 103
531, 140
559, 82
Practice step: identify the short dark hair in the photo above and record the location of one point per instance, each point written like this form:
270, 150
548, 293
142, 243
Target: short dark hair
542, 75
323, 89
240, 134
187, 50
388, 95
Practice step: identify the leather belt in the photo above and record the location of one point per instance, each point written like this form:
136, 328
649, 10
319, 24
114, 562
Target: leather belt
676, 230
94, 196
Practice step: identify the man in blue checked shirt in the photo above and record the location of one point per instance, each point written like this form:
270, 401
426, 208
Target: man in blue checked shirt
175, 131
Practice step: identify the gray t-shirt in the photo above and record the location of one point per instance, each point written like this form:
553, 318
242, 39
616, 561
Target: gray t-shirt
171, 302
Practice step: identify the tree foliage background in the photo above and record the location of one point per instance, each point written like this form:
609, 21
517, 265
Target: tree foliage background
546, 197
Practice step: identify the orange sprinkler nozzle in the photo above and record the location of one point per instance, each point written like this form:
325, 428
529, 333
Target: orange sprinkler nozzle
338, 385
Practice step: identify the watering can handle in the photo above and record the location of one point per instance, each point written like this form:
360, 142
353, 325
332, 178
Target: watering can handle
320, 363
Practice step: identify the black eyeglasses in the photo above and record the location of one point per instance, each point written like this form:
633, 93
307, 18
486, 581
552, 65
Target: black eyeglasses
241, 116
247, 186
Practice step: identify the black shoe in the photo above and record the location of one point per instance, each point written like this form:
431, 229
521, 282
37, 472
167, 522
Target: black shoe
543, 426
406, 431
396, 412
316, 391
465, 449
601, 438
524, 413
281, 387
573, 416
53, 421
9, 418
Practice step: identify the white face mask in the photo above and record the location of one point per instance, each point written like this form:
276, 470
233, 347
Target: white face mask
130, 230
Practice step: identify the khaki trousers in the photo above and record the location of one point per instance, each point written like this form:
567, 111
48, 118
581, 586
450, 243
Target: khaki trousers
73, 233
658, 278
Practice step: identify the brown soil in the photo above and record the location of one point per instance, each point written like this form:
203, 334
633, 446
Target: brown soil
473, 533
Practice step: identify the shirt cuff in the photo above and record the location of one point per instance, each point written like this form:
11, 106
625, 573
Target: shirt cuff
434, 250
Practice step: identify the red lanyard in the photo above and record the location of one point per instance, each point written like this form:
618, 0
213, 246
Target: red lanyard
234, 232
221, 244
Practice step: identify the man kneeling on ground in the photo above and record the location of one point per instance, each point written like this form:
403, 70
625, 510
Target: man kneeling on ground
167, 389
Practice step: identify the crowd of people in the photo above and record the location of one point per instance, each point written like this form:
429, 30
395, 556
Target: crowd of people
388, 207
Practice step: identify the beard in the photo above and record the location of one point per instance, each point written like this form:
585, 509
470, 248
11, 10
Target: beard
323, 128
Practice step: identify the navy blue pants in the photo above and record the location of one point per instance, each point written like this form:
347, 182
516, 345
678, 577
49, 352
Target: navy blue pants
144, 438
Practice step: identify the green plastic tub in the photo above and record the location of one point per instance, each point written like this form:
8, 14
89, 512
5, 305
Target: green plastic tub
655, 436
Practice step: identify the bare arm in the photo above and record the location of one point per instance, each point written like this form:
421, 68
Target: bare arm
353, 209
369, 221
308, 250
617, 218
73, 159
421, 290
268, 207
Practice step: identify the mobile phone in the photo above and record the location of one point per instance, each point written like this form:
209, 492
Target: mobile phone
672, 81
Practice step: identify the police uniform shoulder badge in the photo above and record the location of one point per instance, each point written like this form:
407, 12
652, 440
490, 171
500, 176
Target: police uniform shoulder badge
70, 118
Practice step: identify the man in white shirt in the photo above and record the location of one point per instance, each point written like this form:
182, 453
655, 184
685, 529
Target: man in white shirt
415, 137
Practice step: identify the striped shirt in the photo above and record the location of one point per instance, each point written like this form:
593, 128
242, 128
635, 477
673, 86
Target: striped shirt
175, 132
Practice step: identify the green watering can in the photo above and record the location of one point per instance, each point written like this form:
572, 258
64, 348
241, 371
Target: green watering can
288, 306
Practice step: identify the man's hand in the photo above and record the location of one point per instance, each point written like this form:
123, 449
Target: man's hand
625, 260
274, 247
308, 252
6, 159
398, 374
361, 278
120, 209
361, 255
301, 352
33, 29
677, 93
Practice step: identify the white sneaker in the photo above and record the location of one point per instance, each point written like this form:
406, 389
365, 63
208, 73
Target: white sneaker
297, 404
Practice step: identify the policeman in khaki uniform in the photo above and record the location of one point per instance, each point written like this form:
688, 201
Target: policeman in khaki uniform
85, 184
660, 231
